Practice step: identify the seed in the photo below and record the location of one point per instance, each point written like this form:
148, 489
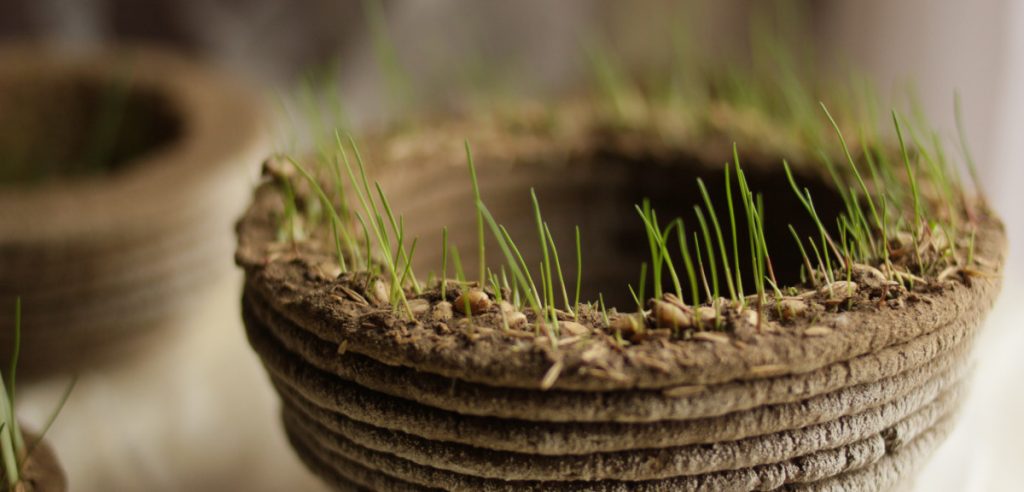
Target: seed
594, 353
947, 273
840, 289
506, 307
710, 336
551, 376
706, 314
354, 295
568, 341
572, 328
476, 299
792, 308
870, 270
817, 331
675, 301
442, 311
379, 292
419, 307
670, 316
515, 318
329, 271
627, 324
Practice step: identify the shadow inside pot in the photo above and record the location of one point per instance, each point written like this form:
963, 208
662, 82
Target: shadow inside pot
59, 125
598, 192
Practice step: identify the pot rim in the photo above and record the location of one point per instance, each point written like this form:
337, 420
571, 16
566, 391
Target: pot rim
278, 282
222, 129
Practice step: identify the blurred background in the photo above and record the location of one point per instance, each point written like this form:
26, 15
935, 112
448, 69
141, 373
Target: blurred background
198, 414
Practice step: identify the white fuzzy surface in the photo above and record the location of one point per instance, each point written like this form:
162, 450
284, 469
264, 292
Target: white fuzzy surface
195, 412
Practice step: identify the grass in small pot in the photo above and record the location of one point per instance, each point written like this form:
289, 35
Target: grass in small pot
65, 126
17, 449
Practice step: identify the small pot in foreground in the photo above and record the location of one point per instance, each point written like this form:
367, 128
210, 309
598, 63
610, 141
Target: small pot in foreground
41, 471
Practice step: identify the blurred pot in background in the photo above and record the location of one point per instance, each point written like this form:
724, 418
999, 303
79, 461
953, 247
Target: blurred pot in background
120, 174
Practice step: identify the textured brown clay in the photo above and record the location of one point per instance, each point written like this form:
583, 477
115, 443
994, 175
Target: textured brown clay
101, 260
917, 359
42, 472
377, 409
865, 465
638, 464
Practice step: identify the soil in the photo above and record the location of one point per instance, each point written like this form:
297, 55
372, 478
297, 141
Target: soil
42, 472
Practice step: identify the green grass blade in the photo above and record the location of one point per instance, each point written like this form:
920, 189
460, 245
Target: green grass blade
444, 263
684, 251
479, 216
336, 226
579, 272
52, 417
547, 283
513, 260
709, 251
732, 225
721, 242
19, 443
558, 269
915, 193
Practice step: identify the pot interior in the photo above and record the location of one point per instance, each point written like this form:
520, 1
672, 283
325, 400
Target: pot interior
598, 192
66, 124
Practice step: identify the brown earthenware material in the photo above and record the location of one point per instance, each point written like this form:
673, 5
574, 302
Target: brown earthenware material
41, 472
103, 254
637, 464
303, 381
865, 465
916, 361
897, 469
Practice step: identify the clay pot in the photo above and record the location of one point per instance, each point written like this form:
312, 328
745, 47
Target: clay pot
42, 471
121, 172
855, 400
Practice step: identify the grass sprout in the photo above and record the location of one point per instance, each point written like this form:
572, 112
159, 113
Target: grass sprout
14, 452
377, 227
889, 198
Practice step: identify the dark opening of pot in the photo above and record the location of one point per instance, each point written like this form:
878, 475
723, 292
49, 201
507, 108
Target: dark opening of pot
67, 126
599, 193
